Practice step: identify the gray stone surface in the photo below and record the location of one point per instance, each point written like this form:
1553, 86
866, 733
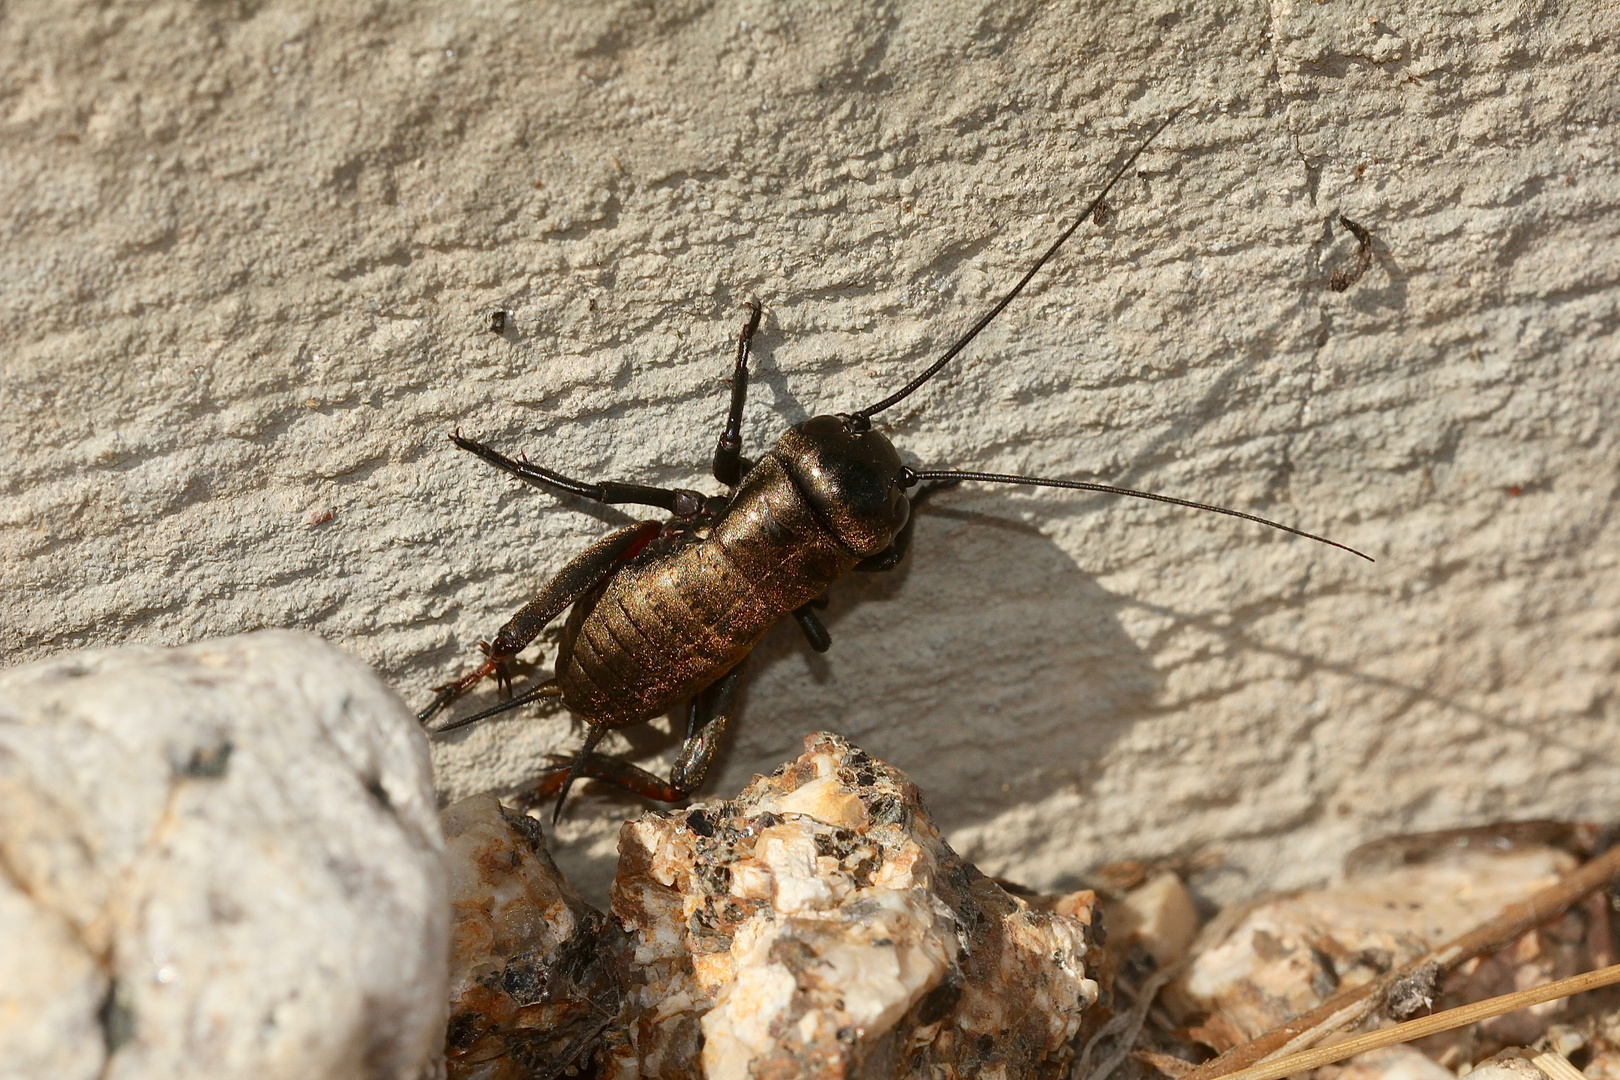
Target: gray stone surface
248, 250
221, 860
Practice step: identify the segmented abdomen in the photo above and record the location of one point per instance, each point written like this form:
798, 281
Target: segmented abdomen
667, 627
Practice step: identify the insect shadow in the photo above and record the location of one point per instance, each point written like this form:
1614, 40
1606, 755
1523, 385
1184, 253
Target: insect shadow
1027, 675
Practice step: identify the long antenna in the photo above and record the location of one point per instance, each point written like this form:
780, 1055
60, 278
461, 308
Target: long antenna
865, 415
910, 477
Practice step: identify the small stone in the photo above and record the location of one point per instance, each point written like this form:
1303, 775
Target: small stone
1510, 1064
534, 970
1159, 916
818, 926
1413, 993
1403, 1062
221, 860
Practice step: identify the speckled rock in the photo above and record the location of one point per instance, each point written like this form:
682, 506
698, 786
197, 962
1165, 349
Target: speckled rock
1511, 1064
534, 969
818, 926
220, 860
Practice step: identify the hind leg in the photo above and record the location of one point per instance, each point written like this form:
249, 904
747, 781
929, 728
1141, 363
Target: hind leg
711, 712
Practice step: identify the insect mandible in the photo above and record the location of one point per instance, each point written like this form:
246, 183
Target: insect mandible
665, 613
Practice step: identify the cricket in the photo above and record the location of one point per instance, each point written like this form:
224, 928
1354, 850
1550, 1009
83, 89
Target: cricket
664, 613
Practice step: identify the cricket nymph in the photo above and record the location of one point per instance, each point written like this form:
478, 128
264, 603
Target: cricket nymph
662, 613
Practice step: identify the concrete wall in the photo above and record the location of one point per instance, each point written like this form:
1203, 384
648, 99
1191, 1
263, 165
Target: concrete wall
249, 250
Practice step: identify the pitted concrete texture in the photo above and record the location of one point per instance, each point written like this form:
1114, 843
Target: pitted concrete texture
250, 251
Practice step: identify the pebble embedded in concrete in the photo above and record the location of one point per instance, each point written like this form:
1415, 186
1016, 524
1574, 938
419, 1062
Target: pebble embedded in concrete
219, 860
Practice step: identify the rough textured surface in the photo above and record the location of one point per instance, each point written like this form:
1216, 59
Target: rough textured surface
535, 971
1509, 1065
1595, 1037
249, 248
818, 926
217, 860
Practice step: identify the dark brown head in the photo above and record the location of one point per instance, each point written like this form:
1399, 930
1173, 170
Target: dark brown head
851, 476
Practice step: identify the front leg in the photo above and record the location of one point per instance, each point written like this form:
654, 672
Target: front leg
678, 501
728, 463
811, 625
576, 579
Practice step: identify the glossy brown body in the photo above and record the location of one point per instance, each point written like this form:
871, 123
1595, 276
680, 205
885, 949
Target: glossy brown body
696, 601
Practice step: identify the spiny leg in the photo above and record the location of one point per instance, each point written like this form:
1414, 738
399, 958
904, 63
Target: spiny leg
728, 451
711, 712
592, 737
580, 576
444, 694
